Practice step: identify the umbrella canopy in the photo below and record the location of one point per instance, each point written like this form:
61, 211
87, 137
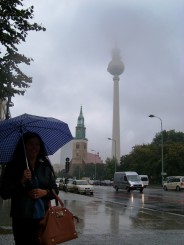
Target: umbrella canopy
53, 132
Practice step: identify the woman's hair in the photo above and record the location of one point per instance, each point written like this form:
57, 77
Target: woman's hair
19, 153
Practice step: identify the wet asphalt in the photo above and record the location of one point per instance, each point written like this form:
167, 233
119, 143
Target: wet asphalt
104, 223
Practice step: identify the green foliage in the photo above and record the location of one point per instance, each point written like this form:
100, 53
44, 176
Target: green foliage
169, 137
110, 168
14, 27
146, 159
174, 158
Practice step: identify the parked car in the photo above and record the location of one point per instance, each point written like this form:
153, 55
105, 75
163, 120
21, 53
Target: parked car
174, 183
83, 187
96, 182
106, 183
66, 185
103, 182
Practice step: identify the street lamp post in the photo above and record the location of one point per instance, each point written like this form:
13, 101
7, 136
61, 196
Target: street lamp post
115, 152
95, 162
162, 147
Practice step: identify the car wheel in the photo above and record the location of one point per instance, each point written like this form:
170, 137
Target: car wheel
141, 190
91, 193
177, 188
165, 188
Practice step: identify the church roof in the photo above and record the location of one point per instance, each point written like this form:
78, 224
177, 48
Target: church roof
92, 158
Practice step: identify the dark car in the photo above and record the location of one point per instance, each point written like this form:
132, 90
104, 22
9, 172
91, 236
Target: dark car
66, 185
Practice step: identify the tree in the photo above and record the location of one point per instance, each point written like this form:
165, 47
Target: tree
174, 159
14, 27
109, 168
146, 159
169, 137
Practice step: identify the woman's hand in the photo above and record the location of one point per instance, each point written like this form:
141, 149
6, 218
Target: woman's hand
26, 176
37, 193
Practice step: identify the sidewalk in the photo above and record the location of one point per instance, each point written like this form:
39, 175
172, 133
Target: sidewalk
126, 238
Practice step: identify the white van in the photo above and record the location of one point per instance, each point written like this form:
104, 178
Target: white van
127, 181
145, 180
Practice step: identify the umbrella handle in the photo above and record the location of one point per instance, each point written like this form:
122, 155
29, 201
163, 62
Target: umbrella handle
27, 165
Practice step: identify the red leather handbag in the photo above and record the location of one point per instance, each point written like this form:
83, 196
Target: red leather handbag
58, 225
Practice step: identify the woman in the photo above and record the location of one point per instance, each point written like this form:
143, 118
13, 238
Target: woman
30, 188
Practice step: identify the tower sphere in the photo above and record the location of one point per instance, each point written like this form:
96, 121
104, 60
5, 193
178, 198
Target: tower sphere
116, 66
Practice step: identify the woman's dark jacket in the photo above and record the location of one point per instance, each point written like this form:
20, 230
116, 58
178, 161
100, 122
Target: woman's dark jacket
22, 205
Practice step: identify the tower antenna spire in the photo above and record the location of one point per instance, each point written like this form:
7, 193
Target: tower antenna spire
116, 68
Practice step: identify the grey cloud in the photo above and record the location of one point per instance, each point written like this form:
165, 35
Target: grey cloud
70, 67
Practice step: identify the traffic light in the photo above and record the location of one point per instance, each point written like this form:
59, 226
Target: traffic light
67, 164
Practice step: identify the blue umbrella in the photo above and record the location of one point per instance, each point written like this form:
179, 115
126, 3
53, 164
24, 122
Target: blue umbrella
53, 132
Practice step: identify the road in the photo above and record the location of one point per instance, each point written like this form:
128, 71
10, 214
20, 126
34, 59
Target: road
153, 199
154, 217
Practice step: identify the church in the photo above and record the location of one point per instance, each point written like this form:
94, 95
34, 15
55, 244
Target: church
80, 154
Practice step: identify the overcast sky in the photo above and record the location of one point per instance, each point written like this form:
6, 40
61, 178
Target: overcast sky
70, 68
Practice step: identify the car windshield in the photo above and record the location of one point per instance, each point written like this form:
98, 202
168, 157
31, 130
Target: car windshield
82, 182
133, 177
144, 178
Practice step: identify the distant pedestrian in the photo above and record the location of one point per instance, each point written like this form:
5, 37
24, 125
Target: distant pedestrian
65, 185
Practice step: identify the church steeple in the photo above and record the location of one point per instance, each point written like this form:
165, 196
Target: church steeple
80, 129
80, 121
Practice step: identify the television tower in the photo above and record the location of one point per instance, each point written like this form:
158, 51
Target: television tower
116, 68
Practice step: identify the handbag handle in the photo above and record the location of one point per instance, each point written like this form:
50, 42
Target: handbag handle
57, 198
